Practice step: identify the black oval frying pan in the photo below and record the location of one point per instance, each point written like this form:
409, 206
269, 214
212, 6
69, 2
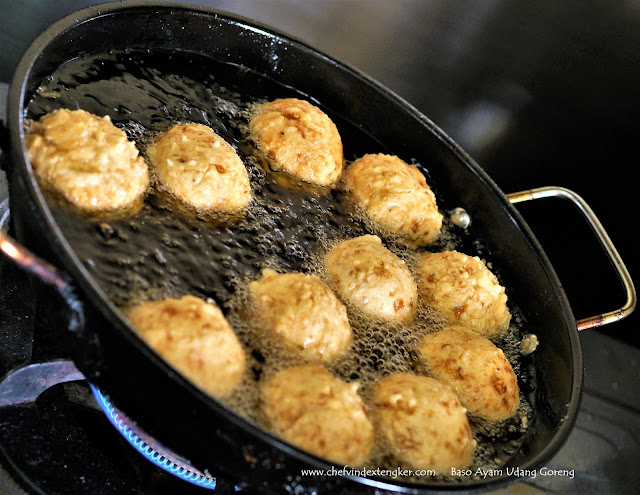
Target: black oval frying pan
169, 407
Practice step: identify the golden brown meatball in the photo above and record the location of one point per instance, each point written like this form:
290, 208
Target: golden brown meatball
476, 370
320, 413
195, 338
373, 279
424, 422
464, 291
86, 159
200, 168
396, 196
304, 312
299, 139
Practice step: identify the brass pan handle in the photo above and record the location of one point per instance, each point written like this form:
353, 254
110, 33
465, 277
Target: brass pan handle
29, 262
71, 309
603, 237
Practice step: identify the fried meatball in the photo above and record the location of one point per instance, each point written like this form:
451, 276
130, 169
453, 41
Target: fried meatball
309, 407
200, 168
373, 279
476, 370
298, 138
396, 196
424, 422
86, 159
195, 338
464, 291
304, 312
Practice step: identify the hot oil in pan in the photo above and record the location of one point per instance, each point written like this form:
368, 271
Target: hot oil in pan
164, 250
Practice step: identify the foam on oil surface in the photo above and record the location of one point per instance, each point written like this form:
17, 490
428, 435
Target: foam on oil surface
166, 250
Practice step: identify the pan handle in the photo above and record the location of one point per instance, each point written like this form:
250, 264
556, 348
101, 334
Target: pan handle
603, 237
72, 311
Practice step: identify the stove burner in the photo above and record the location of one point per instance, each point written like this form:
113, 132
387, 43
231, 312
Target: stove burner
150, 448
25, 384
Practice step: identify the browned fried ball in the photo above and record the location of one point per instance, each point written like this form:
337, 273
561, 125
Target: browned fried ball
86, 159
476, 370
396, 196
195, 338
309, 407
424, 422
200, 168
373, 279
304, 312
299, 139
464, 291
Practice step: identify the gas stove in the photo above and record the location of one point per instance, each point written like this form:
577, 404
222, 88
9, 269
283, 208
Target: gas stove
70, 439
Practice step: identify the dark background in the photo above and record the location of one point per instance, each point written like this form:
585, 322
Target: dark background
539, 93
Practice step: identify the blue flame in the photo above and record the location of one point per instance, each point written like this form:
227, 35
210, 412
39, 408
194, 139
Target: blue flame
146, 450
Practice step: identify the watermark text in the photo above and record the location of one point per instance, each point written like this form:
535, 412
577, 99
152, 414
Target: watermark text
368, 472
